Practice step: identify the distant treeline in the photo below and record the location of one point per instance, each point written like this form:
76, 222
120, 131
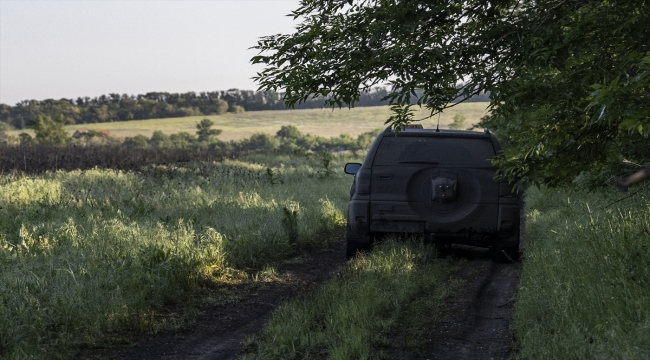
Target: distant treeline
116, 107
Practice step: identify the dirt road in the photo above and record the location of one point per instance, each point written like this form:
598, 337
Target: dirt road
219, 332
475, 324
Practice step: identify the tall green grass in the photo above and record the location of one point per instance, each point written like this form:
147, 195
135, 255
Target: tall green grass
585, 285
85, 253
352, 315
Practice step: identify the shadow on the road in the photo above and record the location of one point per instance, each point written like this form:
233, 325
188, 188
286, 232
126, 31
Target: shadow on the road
466, 252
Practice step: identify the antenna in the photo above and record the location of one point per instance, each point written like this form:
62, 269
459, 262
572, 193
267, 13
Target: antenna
438, 126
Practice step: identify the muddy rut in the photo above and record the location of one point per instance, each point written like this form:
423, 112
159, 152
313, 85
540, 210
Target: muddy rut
474, 325
476, 320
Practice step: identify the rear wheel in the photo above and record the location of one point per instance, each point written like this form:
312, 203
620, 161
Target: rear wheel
442, 249
353, 247
501, 252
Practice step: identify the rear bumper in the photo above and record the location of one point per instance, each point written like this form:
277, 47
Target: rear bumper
486, 225
414, 217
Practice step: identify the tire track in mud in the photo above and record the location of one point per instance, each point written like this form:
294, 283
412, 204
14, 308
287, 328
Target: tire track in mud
476, 324
476, 320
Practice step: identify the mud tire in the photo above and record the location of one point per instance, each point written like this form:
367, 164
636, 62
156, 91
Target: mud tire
442, 250
353, 248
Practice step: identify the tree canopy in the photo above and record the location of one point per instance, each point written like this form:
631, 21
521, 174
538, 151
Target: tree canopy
49, 131
568, 79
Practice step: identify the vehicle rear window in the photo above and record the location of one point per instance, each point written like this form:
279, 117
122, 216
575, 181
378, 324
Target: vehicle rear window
447, 152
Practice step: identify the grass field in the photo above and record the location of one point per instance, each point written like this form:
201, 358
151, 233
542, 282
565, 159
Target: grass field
323, 122
584, 291
89, 253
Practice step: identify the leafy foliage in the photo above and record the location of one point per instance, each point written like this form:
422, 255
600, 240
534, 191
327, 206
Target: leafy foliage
568, 79
204, 130
3, 132
459, 123
288, 132
48, 131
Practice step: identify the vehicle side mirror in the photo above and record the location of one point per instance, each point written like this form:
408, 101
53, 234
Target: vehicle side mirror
352, 168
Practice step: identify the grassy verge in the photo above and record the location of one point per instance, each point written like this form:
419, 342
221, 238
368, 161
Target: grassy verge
585, 285
351, 316
86, 253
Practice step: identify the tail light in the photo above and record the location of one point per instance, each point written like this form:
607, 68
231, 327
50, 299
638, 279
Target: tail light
362, 181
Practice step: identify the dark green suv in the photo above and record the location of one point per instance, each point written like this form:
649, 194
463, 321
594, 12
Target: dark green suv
439, 183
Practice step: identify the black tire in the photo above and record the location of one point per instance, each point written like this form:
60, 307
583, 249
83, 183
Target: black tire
353, 248
442, 249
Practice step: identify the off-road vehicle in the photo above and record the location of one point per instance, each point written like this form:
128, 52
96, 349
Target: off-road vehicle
438, 183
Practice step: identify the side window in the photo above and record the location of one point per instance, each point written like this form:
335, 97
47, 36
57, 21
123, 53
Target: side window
447, 152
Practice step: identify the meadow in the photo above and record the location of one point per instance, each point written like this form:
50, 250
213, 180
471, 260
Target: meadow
323, 122
88, 253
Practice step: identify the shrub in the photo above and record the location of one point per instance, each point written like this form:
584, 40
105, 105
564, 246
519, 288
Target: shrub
26, 139
204, 130
138, 141
49, 131
459, 122
237, 109
221, 107
288, 132
3, 132
160, 140
183, 140
263, 142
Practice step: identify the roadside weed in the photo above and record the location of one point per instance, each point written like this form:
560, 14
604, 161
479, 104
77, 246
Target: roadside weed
585, 283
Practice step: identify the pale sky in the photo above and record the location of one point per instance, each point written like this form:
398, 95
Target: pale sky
69, 49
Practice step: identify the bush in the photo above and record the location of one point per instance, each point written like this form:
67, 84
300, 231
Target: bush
48, 131
459, 122
3, 132
160, 140
204, 130
183, 140
221, 107
365, 140
26, 139
138, 141
263, 142
237, 109
288, 132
